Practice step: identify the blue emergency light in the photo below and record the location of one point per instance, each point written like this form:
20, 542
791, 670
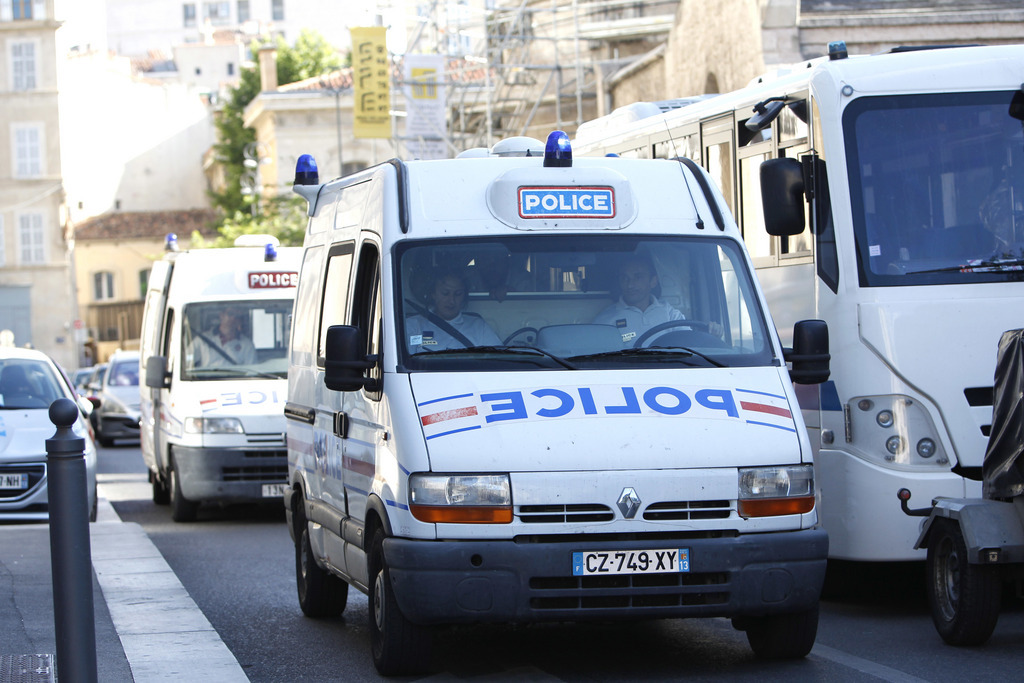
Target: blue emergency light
269, 252
171, 242
306, 172
557, 151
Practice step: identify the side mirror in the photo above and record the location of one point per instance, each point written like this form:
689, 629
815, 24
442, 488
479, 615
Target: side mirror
94, 401
782, 196
809, 355
345, 359
157, 376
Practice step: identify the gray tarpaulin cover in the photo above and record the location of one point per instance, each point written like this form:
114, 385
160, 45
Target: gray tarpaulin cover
1004, 465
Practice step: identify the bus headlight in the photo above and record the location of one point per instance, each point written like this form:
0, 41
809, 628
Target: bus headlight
895, 431
461, 498
778, 490
213, 425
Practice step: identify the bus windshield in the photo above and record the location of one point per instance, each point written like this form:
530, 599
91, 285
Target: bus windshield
580, 301
236, 340
936, 188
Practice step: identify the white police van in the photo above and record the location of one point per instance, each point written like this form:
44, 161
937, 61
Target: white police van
486, 424
213, 352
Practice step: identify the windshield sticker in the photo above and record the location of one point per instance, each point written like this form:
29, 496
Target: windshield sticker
450, 415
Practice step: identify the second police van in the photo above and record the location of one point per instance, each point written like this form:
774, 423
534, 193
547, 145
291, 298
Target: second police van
527, 389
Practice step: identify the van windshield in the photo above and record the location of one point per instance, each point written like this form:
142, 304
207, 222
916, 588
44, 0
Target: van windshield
575, 302
235, 339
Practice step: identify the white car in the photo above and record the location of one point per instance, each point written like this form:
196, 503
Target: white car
29, 382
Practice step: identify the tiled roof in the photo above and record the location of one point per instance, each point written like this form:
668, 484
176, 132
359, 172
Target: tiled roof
146, 224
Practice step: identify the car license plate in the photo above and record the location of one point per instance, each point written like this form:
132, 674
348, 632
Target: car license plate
274, 490
607, 562
13, 481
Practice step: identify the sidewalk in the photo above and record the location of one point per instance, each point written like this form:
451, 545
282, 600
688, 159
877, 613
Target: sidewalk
148, 628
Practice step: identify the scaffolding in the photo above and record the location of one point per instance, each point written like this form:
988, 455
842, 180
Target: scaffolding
526, 67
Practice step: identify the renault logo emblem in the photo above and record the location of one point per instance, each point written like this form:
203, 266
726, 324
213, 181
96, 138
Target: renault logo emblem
629, 502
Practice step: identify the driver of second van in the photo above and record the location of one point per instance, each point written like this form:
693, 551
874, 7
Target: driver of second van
445, 325
225, 345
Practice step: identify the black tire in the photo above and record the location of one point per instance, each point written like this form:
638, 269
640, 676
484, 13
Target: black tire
964, 597
783, 636
161, 493
321, 594
182, 509
399, 647
95, 506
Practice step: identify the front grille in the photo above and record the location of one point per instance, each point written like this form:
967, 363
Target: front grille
271, 439
267, 467
36, 474
629, 591
565, 514
688, 509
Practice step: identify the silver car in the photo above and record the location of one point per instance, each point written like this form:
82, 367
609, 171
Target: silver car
29, 382
115, 398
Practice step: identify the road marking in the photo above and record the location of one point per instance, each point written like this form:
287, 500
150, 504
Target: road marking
866, 666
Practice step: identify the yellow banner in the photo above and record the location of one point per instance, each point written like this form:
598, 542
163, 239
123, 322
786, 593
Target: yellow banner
371, 75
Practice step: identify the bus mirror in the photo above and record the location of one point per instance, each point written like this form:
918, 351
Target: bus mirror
782, 196
156, 373
809, 355
345, 361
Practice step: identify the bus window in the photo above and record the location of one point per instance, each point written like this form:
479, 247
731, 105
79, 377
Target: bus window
758, 241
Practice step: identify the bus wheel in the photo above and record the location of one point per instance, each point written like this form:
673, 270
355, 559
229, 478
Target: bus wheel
782, 636
399, 646
964, 597
182, 509
321, 594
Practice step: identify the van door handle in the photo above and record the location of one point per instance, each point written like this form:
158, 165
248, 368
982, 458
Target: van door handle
341, 425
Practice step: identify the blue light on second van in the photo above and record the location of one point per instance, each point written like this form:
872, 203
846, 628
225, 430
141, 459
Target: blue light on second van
566, 202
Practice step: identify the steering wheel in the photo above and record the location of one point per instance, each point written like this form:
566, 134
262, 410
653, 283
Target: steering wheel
521, 330
697, 325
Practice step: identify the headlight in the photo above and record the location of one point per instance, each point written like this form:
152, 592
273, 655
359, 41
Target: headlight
894, 431
461, 498
213, 425
779, 490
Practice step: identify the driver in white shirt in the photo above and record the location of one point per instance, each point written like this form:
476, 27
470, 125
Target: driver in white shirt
637, 309
434, 332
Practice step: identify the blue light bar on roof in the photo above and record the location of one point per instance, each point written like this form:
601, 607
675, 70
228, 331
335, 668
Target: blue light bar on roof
557, 151
306, 172
171, 242
269, 252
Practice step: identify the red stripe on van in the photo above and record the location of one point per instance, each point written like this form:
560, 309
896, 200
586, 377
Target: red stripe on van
763, 408
445, 415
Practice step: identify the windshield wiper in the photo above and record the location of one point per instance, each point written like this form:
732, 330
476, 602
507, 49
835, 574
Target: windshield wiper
664, 351
235, 372
515, 350
977, 266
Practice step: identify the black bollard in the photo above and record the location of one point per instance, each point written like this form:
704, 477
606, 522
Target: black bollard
70, 552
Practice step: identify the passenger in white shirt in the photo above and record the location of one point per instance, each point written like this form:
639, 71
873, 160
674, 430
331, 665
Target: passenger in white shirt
637, 309
448, 297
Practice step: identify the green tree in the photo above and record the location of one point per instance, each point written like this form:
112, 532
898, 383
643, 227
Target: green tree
311, 56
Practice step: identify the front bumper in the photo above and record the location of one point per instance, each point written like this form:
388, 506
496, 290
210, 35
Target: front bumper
230, 475
487, 581
119, 426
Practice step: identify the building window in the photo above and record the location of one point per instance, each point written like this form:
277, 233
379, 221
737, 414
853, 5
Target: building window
27, 141
103, 286
143, 282
3, 248
243, 11
277, 10
23, 65
189, 12
218, 13
30, 233
231, 68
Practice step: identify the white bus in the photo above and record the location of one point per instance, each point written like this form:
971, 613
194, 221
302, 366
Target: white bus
908, 169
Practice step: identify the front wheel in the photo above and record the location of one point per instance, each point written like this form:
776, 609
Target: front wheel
161, 493
182, 509
399, 646
321, 594
964, 597
782, 636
